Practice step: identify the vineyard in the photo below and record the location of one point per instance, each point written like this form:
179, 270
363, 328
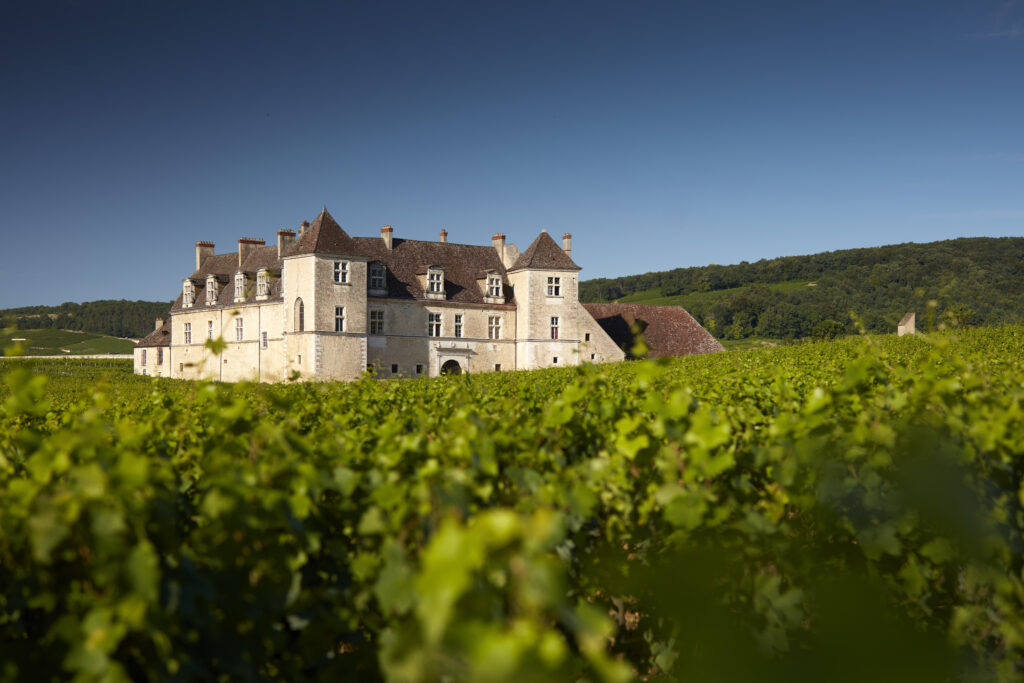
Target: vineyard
845, 511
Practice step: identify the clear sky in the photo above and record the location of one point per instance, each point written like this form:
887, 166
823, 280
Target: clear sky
661, 134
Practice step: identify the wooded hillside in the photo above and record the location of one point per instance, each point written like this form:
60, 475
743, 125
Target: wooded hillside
972, 281
118, 318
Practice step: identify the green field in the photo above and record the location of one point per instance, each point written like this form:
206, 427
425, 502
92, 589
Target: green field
63, 343
835, 511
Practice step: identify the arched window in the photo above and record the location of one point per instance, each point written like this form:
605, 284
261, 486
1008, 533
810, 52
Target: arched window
300, 316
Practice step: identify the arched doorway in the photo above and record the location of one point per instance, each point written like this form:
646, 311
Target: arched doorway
451, 367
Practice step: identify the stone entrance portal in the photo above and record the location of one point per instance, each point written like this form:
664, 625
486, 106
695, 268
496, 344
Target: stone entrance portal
451, 367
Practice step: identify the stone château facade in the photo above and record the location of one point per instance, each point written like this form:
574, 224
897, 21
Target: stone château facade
324, 305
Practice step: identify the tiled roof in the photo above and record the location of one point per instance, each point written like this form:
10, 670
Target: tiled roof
462, 264
224, 267
907, 318
324, 236
158, 337
667, 330
544, 254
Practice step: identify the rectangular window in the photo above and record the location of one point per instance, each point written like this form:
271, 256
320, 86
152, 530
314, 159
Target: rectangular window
211, 291
263, 339
494, 327
143, 358
209, 329
181, 368
240, 287
434, 324
494, 286
435, 280
339, 318
586, 337
188, 333
341, 271
458, 324
394, 368
419, 368
376, 322
554, 327
238, 329
377, 276
592, 356
554, 361
159, 356
554, 286
497, 367
262, 288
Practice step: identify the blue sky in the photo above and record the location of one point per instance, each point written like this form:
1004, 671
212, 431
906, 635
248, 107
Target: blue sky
661, 134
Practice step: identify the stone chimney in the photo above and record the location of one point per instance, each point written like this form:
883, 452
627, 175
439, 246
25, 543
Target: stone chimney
444, 236
567, 244
285, 239
203, 249
498, 242
245, 245
386, 234
159, 324
302, 228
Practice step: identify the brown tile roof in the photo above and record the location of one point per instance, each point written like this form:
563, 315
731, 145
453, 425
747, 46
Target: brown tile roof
325, 236
462, 265
224, 266
667, 330
544, 254
158, 337
907, 318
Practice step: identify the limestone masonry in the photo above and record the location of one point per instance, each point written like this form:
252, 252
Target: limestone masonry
324, 305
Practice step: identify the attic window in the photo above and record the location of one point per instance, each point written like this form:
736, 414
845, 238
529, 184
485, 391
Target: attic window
493, 286
262, 284
211, 290
240, 286
377, 276
435, 281
188, 294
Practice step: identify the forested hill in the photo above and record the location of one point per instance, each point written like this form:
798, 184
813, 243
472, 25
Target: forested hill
118, 318
972, 281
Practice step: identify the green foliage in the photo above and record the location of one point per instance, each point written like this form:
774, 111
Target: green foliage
841, 511
115, 318
975, 281
54, 342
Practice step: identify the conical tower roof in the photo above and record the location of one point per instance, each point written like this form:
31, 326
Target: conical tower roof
544, 254
324, 236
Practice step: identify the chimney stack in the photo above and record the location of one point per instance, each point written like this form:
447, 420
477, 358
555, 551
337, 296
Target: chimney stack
302, 228
159, 324
245, 245
203, 249
285, 239
444, 236
386, 234
567, 244
498, 242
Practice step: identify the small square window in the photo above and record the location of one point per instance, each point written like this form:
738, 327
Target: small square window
394, 368
554, 361
497, 367
419, 368
341, 272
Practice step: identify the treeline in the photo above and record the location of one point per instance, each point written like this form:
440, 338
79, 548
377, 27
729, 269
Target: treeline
118, 318
961, 282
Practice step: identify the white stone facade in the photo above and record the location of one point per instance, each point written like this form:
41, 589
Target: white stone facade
308, 325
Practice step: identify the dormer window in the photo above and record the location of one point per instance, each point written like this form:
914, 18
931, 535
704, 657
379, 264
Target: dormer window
239, 286
188, 294
377, 279
435, 282
211, 290
494, 286
262, 284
